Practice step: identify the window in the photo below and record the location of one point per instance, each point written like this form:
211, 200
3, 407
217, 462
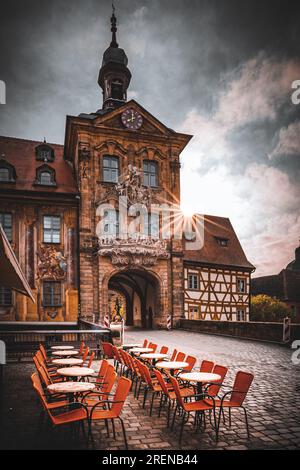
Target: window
194, 313
111, 227
110, 169
51, 294
152, 225
45, 175
7, 172
6, 222
4, 174
240, 315
150, 173
193, 281
51, 229
222, 241
5, 296
241, 285
117, 90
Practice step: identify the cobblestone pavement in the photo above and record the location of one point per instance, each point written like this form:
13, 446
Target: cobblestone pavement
273, 403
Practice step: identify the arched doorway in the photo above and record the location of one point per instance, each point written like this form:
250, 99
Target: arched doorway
141, 291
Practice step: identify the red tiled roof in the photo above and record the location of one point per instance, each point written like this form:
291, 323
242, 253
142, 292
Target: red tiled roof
212, 252
21, 154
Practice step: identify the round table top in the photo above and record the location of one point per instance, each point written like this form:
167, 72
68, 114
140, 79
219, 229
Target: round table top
141, 350
171, 365
75, 371
71, 387
154, 355
62, 346
68, 361
65, 353
132, 345
200, 377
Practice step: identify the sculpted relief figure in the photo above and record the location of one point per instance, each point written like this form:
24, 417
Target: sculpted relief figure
52, 264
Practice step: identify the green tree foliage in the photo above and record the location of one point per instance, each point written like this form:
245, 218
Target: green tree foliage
269, 309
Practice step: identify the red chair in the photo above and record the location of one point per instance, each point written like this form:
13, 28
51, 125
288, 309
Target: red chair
152, 346
164, 350
85, 354
168, 393
234, 398
118, 361
75, 415
191, 360
108, 351
197, 407
103, 390
174, 354
145, 343
180, 357
90, 361
101, 373
206, 366
115, 407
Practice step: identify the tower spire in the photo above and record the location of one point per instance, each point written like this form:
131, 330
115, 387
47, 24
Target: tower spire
114, 75
114, 28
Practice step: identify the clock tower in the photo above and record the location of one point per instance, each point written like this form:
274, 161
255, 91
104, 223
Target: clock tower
127, 167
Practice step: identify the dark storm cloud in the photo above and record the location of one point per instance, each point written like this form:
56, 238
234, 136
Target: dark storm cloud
220, 69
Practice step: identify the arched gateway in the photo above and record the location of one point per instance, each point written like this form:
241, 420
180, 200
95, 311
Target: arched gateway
141, 293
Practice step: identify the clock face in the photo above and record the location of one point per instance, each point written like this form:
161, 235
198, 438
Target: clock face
132, 119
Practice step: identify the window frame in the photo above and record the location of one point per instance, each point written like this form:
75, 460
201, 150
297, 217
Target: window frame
7, 227
240, 314
52, 229
194, 307
115, 223
110, 169
191, 285
52, 294
11, 172
147, 174
6, 291
238, 279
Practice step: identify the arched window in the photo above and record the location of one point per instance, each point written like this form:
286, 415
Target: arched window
7, 172
45, 176
150, 173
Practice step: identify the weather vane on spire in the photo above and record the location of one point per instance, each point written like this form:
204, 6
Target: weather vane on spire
113, 27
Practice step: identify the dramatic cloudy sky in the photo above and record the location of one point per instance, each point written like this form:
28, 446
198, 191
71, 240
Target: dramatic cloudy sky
219, 69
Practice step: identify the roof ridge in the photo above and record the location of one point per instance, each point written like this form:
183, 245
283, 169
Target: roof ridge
30, 140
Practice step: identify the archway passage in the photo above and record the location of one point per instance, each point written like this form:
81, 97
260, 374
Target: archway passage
141, 291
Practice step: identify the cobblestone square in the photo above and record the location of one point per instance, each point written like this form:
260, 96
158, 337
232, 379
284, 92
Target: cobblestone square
273, 403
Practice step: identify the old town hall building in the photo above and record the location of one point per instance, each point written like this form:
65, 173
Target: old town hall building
54, 198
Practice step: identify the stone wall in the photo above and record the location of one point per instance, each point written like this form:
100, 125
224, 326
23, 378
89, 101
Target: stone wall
248, 330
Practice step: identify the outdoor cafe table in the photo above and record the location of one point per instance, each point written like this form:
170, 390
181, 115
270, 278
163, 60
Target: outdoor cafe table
75, 371
154, 356
140, 350
71, 388
130, 346
171, 365
65, 353
200, 378
68, 361
62, 346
